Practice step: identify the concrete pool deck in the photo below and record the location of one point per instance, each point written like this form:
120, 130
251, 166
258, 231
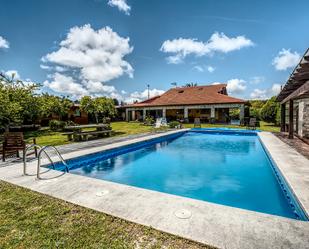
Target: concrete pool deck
209, 223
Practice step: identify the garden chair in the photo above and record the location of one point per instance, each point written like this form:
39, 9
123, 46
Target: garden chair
197, 123
13, 143
252, 124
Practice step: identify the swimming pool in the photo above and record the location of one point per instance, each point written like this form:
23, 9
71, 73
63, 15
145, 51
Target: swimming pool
224, 167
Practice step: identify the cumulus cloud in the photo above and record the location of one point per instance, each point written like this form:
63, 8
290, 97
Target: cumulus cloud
4, 43
139, 96
121, 5
286, 59
218, 42
266, 93
98, 54
65, 85
236, 86
90, 58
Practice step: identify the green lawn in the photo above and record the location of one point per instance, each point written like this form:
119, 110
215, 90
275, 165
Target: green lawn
32, 220
47, 137
264, 126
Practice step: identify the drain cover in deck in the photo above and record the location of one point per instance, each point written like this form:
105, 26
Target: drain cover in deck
102, 193
183, 214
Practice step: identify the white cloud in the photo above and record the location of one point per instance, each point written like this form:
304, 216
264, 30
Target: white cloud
121, 5
236, 86
286, 59
45, 67
11, 73
139, 96
265, 93
256, 79
201, 69
99, 55
87, 59
4, 43
65, 85
218, 42
210, 69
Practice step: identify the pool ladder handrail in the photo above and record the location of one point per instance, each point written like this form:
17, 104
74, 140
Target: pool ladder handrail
35, 146
43, 149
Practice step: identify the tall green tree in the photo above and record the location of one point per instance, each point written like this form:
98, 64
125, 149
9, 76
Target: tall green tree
19, 102
98, 106
270, 111
55, 105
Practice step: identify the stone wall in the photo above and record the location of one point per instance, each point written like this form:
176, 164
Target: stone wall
305, 115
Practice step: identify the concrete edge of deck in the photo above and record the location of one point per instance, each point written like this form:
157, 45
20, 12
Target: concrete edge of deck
293, 166
209, 223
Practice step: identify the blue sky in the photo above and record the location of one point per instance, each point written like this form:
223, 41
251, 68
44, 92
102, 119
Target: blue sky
117, 47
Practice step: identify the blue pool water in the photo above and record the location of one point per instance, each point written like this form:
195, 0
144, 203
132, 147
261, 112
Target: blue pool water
230, 169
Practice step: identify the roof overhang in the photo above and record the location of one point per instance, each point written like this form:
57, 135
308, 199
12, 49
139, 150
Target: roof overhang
298, 83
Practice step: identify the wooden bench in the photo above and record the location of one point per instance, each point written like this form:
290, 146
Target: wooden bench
84, 135
69, 134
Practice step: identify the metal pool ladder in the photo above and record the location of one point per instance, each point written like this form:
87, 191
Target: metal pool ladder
43, 150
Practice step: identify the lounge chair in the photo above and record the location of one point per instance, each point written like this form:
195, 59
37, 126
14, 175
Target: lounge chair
158, 123
163, 122
197, 123
252, 124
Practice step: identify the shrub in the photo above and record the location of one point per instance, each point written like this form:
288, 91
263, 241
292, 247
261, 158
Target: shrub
106, 120
270, 111
56, 125
173, 124
149, 120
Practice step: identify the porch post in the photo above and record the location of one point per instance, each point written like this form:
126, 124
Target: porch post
164, 112
242, 114
213, 112
282, 117
127, 115
133, 115
291, 119
144, 114
185, 114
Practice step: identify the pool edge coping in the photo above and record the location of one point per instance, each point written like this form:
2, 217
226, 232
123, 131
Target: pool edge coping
291, 165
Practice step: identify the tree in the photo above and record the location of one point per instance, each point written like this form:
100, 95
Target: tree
55, 105
255, 108
270, 111
116, 102
190, 84
18, 101
96, 106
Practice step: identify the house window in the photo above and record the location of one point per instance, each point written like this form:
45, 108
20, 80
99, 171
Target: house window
77, 113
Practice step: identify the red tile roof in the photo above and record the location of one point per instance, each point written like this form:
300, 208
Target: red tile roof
211, 94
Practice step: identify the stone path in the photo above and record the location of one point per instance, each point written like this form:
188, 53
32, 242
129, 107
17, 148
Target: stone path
295, 143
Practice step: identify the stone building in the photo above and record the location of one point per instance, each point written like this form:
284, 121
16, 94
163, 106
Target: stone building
294, 99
